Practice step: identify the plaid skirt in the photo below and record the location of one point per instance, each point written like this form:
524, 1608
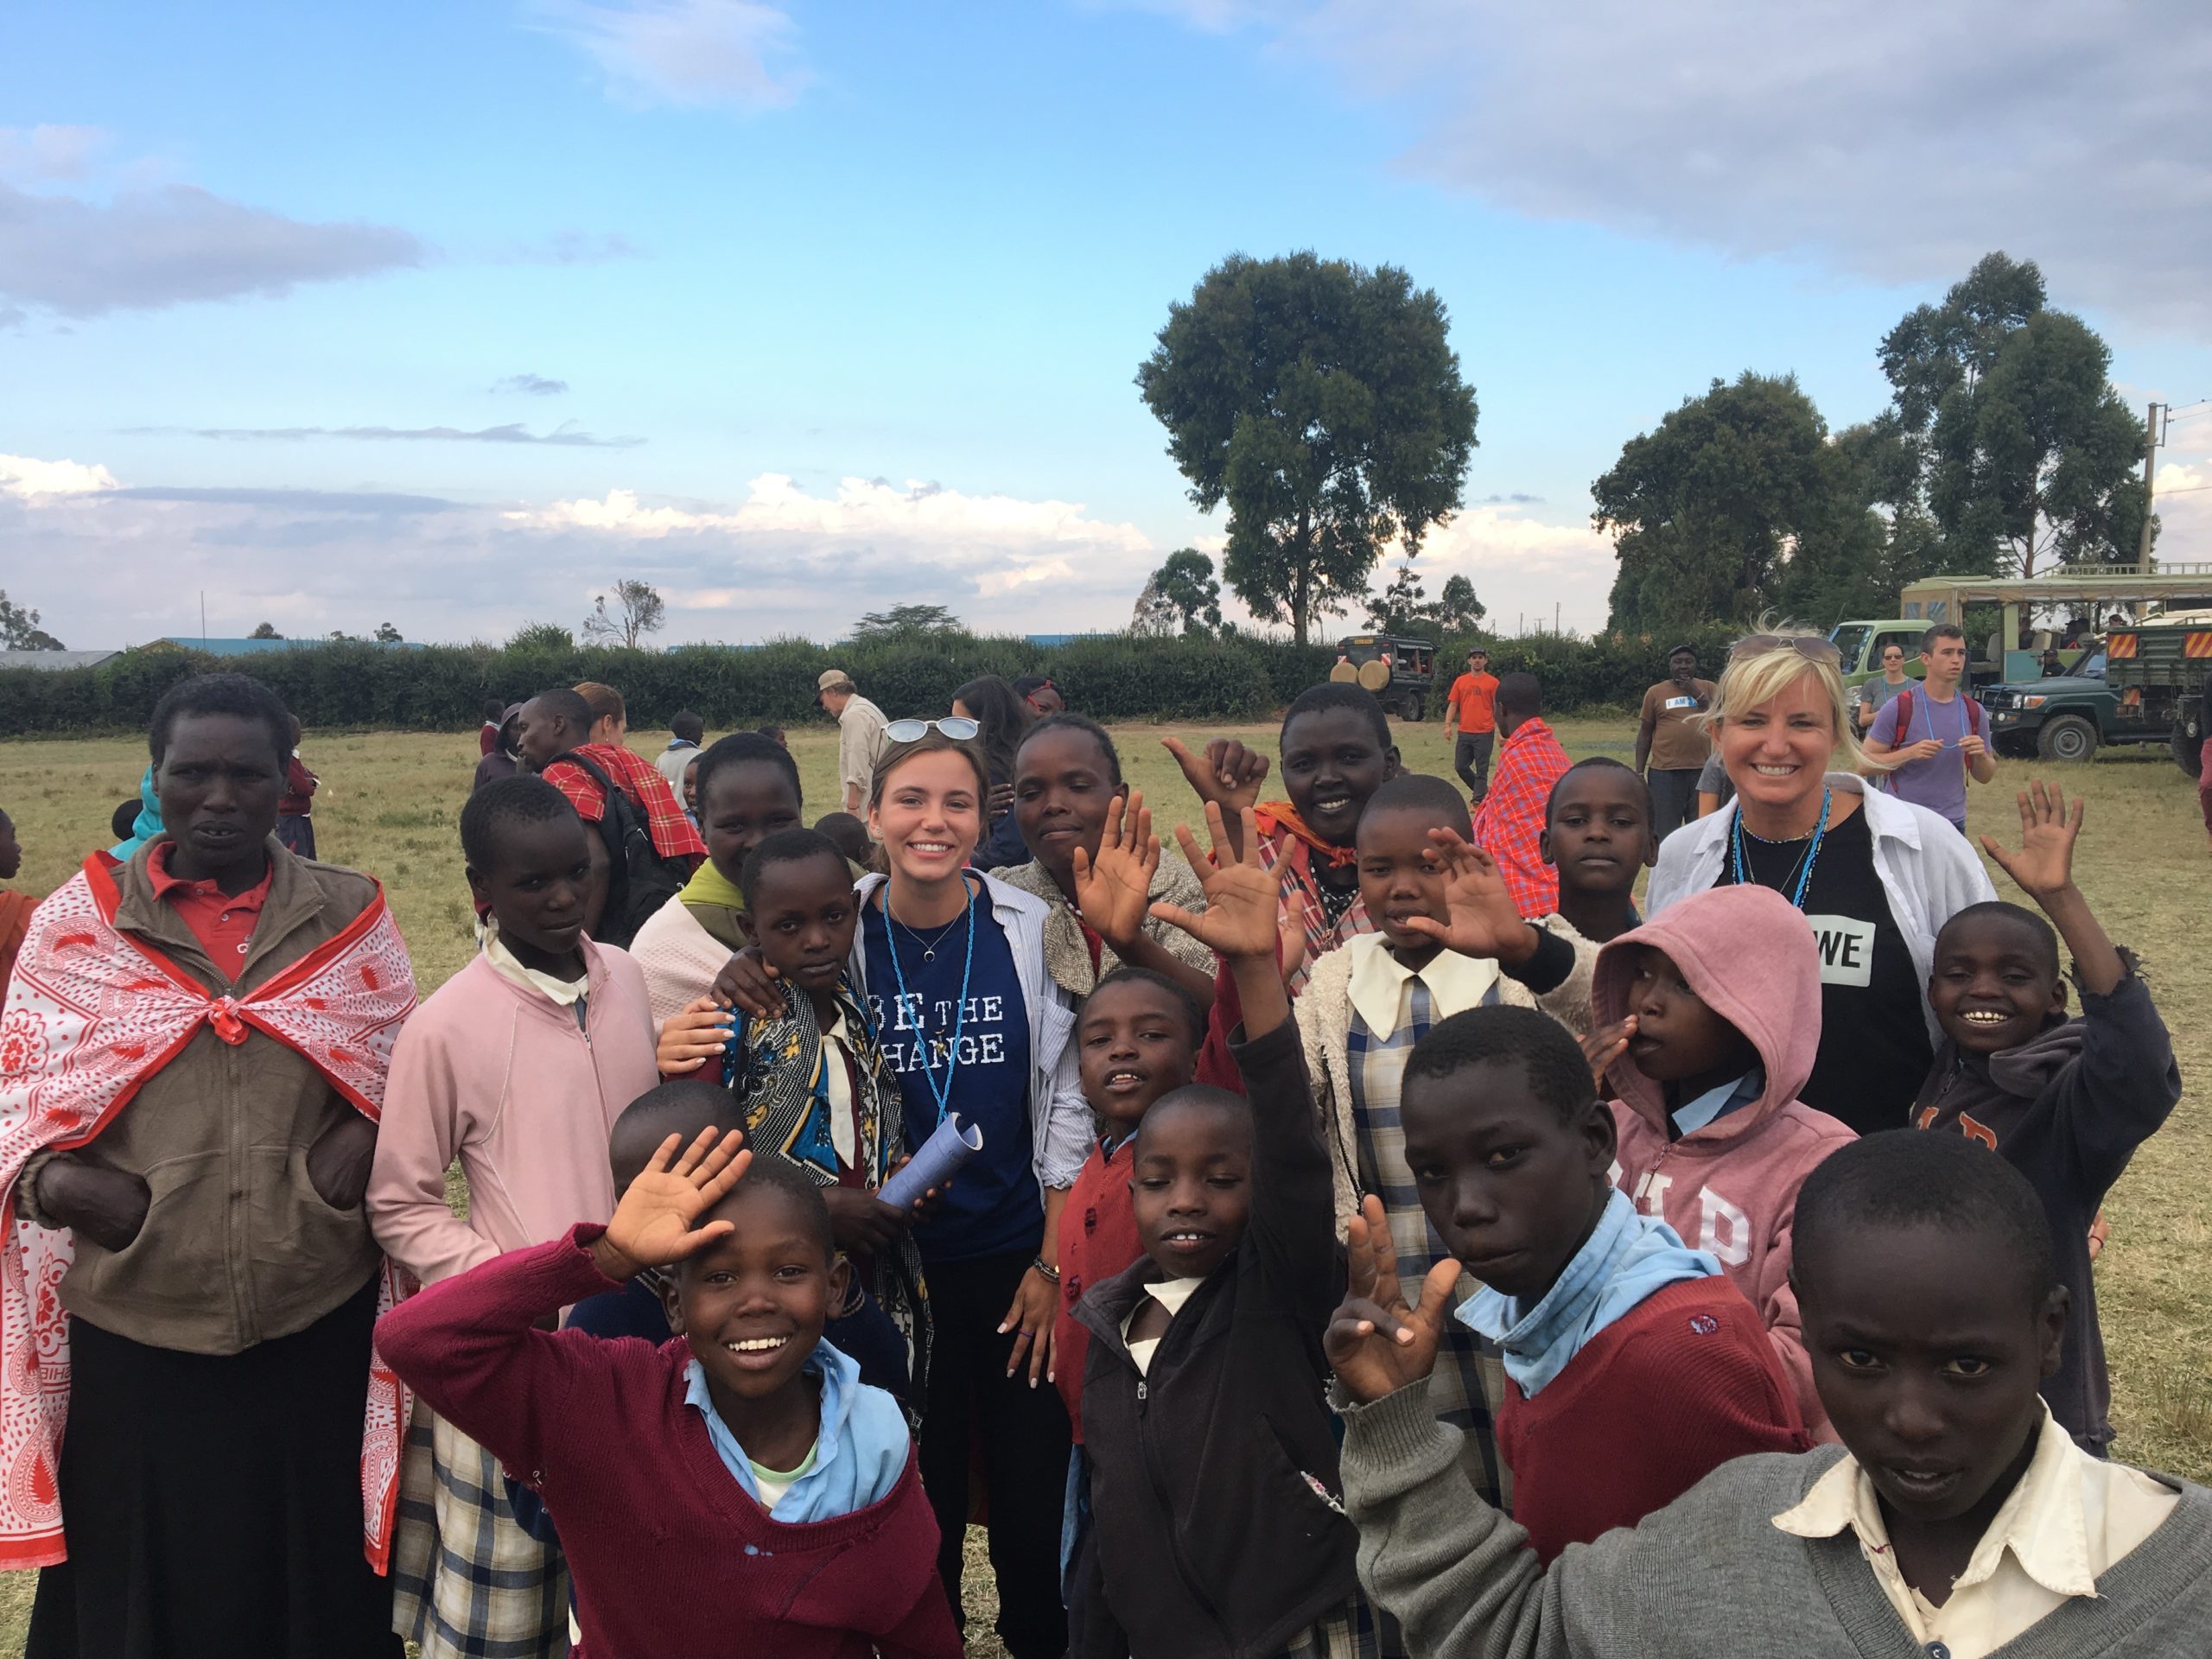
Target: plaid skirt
468, 1582
1345, 1632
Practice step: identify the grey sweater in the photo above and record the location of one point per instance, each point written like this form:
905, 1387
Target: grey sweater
1709, 1574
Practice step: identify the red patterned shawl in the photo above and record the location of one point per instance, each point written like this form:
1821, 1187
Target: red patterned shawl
91, 1014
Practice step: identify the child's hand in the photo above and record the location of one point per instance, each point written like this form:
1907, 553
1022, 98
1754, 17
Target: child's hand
653, 1224
1483, 919
750, 983
1375, 1344
1228, 773
691, 1036
1243, 899
2044, 864
1114, 891
1603, 1047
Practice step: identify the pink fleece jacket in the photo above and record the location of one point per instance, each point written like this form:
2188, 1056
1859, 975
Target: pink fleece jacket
502, 1078
1730, 1187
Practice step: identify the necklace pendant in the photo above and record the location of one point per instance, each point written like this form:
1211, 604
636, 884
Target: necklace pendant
929, 954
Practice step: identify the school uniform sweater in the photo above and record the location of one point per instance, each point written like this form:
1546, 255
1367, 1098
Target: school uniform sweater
1686, 1379
1709, 1574
2067, 1108
1098, 1239
668, 1554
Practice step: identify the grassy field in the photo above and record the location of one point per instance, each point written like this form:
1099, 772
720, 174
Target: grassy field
390, 802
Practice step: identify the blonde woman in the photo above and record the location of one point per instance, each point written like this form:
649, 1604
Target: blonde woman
1876, 876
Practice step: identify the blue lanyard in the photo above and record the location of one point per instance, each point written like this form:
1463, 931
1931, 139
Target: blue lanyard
941, 1093
1811, 853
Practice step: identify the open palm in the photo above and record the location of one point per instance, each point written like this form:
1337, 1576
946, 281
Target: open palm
1242, 896
1114, 890
656, 1223
1482, 919
2044, 863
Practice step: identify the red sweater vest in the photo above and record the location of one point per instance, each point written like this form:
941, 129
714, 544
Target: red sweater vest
1651, 1405
669, 1553
1098, 1239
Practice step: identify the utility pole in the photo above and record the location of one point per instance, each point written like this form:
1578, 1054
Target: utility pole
2150, 471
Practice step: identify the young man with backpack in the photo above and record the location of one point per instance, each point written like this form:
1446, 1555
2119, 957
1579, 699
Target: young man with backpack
1935, 731
644, 848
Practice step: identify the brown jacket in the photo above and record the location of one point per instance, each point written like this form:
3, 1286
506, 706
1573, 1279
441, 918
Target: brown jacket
237, 1247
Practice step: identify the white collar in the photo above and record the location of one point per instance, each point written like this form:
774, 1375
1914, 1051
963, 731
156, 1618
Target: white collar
1378, 981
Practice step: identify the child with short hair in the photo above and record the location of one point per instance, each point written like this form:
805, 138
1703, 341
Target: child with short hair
1213, 1455
747, 789
685, 733
2065, 1102
517, 1067
1597, 836
738, 1490
850, 835
1451, 938
1955, 1518
1708, 1017
1603, 1316
812, 1084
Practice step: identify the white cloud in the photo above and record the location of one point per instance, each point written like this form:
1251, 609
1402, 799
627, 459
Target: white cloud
1521, 568
780, 560
26, 475
1892, 140
739, 53
144, 248
45, 153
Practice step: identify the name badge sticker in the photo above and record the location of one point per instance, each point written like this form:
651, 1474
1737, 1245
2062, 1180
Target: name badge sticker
1846, 948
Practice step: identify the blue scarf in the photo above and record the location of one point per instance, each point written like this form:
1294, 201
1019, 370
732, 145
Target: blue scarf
1629, 1257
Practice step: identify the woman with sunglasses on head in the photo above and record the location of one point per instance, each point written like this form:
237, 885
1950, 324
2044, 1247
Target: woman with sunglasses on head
1877, 877
951, 964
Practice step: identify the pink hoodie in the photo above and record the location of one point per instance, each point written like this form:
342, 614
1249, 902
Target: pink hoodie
1730, 1187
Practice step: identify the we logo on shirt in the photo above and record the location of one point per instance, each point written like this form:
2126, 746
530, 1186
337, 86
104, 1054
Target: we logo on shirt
1846, 948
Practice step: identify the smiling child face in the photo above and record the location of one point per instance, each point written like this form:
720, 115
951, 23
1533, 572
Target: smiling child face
752, 1304
1331, 762
1133, 1044
1995, 982
1192, 1182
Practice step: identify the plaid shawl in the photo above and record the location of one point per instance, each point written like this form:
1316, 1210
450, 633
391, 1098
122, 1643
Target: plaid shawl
1511, 816
92, 1012
674, 834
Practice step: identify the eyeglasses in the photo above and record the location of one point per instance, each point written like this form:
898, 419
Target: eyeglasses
958, 728
1810, 646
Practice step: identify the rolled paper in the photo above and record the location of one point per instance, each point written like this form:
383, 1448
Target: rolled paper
940, 1158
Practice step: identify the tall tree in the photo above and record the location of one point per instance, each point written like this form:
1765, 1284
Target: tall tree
2028, 455
1706, 509
1405, 608
388, 635
19, 628
1323, 403
264, 631
638, 610
906, 619
1457, 610
1186, 592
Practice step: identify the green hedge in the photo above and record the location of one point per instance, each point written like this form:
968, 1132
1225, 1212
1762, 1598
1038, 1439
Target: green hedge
442, 688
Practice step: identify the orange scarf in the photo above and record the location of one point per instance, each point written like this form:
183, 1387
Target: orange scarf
1281, 814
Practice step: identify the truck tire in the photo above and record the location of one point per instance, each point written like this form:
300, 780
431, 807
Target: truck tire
2067, 738
1416, 707
2188, 752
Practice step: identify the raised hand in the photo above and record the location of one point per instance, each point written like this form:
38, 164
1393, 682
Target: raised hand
1375, 1344
1228, 773
1243, 899
1114, 891
2044, 864
691, 1036
653, 1226
1603, 1047
1482, 919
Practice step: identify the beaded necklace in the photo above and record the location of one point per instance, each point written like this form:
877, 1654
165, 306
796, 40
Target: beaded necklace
1804, 873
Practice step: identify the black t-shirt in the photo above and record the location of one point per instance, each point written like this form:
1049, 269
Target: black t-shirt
1874, 1052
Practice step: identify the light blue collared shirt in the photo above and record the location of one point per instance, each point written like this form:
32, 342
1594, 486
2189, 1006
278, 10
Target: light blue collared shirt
860, 1451
1718, 1102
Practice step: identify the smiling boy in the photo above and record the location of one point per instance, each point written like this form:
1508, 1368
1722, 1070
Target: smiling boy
736, 1491
2065, 1102
1956, 1518
517, 1067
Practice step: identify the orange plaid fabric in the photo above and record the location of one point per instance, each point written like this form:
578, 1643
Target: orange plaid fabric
672, 832
1511, 816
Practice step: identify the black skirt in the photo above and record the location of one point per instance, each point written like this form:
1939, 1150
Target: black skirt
213, 1504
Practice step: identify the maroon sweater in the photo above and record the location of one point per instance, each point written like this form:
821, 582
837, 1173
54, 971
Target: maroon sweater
668, 1554
1650, 1406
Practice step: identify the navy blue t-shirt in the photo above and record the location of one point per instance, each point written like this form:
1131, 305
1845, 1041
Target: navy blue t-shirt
992, 1207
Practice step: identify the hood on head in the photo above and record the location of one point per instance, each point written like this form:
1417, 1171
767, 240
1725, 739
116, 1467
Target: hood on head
1750, 953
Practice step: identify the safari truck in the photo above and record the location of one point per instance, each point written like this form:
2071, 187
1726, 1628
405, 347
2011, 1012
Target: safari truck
2157, 672
1398, 670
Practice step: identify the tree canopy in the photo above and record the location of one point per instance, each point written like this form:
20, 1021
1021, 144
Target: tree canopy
1322, 402
1182, 596
905, 619
264, 631
1405, 608
19, 628
638, 610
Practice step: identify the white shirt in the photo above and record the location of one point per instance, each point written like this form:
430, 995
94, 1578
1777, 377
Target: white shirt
1379, 980
564, 993
837, 1084
1170, 1293
2071, 1517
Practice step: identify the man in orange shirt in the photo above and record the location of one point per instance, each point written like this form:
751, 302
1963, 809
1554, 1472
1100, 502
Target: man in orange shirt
1470, 700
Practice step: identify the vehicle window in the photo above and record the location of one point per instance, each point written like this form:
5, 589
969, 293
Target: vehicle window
1850, 639
1909, 639
2094, 669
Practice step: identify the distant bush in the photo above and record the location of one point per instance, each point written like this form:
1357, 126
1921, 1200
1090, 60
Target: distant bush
1115, 676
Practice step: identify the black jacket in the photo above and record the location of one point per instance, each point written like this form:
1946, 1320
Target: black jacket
1213, 1478
2067, 1108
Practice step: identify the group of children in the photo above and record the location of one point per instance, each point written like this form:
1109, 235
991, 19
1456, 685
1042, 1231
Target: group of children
1576, 1135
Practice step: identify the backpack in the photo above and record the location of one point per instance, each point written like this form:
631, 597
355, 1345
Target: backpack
640, 881
1904, 701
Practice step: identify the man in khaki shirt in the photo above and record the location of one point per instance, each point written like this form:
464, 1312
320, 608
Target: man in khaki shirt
1671, 744
861, 741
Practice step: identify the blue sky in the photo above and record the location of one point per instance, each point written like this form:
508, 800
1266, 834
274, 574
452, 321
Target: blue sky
844, 301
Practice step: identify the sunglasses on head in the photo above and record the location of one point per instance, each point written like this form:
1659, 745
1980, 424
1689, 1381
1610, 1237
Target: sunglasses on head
1810, 646
958, 728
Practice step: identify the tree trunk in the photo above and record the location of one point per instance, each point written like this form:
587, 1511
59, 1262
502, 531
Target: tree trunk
1301, 579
